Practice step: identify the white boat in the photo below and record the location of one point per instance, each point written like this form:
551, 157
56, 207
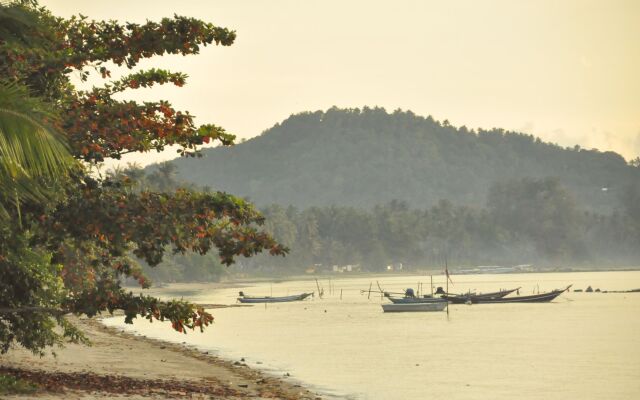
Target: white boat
414, 307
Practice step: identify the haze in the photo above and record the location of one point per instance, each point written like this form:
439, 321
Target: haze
565, 71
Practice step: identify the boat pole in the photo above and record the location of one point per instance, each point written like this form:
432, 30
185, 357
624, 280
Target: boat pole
431, 276
446, 278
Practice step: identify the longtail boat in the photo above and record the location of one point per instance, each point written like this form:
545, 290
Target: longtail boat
270, 299
410, 298
534, 298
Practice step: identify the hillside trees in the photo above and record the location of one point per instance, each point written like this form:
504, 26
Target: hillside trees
366, 157
71, 251
541, 211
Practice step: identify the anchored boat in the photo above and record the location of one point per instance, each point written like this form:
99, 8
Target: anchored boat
534, 298
462, 298
269, 299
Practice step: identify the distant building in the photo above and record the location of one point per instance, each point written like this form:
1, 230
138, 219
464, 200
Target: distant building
346, 268
395, 267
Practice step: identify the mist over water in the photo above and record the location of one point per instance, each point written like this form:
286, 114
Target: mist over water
582, 345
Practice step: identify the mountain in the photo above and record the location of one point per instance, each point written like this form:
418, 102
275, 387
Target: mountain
364, 157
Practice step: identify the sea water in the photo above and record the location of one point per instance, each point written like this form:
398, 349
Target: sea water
582, 345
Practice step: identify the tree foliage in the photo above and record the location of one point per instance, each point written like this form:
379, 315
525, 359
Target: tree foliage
31, 149
524, 221
73, 250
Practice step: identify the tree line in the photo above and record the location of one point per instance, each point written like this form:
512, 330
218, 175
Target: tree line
523, 221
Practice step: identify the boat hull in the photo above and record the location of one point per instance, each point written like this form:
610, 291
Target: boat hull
414, 307
269, 299
413, 300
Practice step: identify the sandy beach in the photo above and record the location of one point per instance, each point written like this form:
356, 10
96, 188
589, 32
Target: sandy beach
121, 365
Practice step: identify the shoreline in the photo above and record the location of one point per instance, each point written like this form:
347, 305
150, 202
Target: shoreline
123, 364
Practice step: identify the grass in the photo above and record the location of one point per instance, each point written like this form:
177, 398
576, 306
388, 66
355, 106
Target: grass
12, 385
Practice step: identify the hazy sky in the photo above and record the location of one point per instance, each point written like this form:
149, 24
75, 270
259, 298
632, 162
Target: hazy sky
567, 71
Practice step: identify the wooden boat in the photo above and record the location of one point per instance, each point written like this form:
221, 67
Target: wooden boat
534, 298
414, 307
269, 299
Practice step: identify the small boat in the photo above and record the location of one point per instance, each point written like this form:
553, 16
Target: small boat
270, 299
410, 297
414, 307
534, 298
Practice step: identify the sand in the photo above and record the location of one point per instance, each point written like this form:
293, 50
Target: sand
121, 365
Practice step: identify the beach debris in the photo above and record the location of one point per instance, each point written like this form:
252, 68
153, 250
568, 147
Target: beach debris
243, 385
59, 382
589, 289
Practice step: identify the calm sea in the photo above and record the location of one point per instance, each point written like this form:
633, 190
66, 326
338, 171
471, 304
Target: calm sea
580, 346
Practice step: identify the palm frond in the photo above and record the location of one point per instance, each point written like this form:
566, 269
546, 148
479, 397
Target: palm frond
31, 149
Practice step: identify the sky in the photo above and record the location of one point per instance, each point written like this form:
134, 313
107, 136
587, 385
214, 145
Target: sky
566, 71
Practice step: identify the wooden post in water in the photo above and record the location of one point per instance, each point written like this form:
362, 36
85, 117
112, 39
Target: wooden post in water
431, 285
369, 295
318, 286
340, 294
380, 289
446, 277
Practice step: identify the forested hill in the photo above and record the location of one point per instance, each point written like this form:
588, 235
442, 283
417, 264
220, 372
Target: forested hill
366, 157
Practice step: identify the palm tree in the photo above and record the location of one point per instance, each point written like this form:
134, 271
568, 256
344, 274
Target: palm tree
32, 151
